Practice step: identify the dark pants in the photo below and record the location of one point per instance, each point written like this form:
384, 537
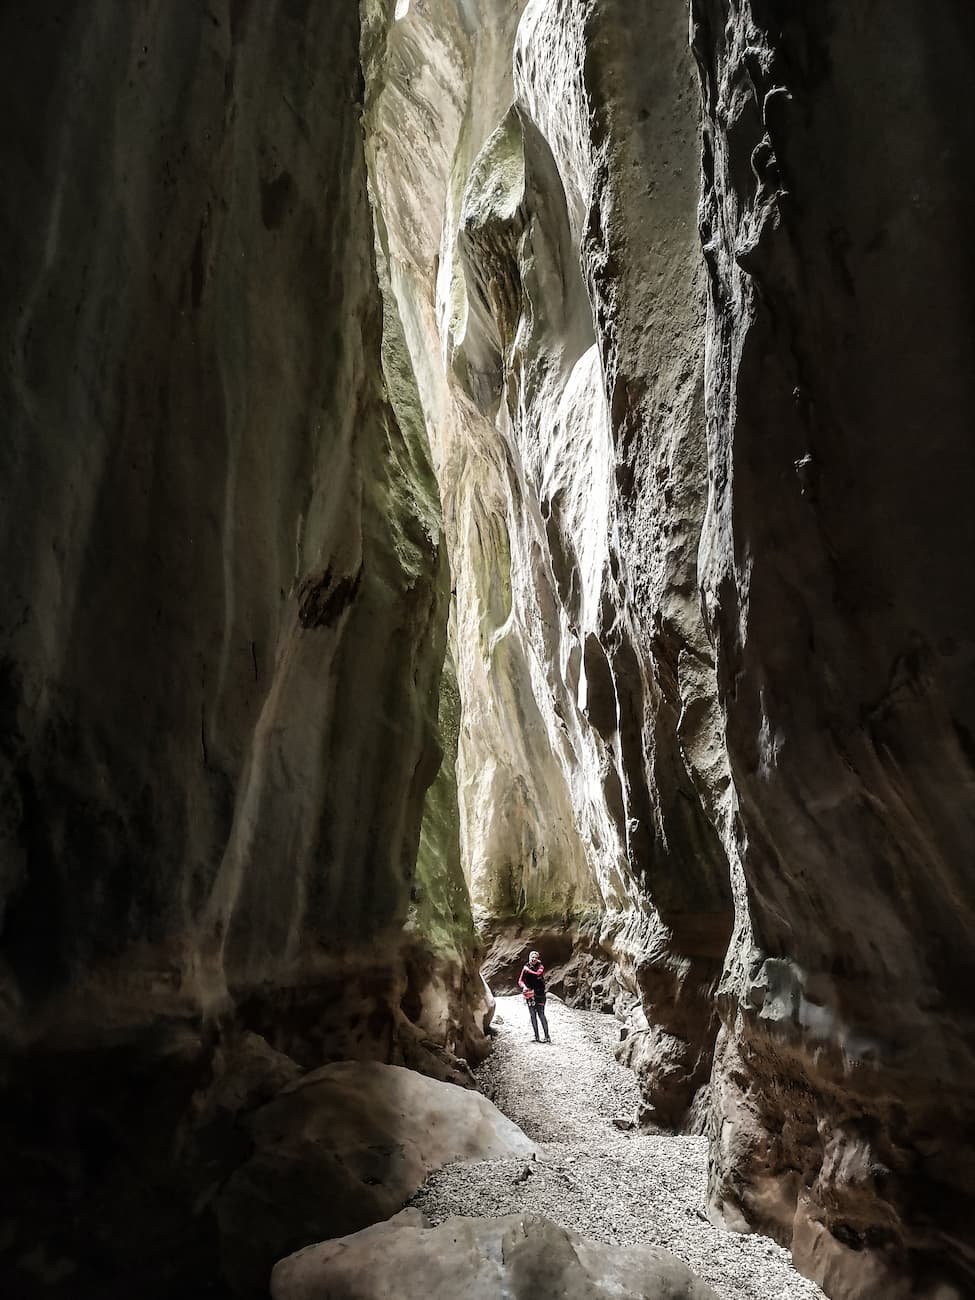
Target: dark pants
536, 1009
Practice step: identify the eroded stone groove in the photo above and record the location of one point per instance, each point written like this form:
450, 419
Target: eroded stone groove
463, 464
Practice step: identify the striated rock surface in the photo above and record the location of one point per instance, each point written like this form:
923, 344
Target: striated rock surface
607, 454
632, 755
526, 1257
435, 488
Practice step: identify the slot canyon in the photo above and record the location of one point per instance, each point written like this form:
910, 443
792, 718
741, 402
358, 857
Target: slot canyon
483, 475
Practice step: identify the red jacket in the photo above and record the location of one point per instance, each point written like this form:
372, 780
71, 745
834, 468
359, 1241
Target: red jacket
532, 980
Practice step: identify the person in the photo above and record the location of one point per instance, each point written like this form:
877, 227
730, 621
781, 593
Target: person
531, 981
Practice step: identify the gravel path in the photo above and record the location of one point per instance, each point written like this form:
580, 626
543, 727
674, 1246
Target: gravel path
617, 1186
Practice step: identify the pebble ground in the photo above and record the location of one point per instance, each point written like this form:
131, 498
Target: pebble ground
608, 1182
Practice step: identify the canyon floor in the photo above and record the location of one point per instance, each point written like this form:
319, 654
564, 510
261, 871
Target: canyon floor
614, 1185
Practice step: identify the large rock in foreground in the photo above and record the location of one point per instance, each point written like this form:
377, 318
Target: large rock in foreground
344, 1147
519, 1256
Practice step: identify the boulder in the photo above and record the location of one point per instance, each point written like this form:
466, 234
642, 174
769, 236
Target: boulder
341, 1148
519, 1256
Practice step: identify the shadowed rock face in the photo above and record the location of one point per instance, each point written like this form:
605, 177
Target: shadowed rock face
837, 552
223, 605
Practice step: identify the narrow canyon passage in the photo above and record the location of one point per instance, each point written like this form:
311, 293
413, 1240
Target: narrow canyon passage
606, 1180
479, 475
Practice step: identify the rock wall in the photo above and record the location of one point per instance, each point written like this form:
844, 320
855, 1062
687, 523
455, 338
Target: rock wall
837, 180
710, 628
223, 608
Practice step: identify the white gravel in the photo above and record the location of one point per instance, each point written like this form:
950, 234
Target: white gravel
617, 1186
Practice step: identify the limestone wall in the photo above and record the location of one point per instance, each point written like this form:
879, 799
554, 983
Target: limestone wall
223, 609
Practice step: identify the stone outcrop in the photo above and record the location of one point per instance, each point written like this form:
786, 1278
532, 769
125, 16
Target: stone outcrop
341, 1148
523, 1257
578, 967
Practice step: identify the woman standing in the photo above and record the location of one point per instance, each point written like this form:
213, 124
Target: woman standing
531, 981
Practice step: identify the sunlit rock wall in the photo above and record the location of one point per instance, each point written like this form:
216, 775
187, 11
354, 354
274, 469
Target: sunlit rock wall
838, 178
438, 95
223, 609
520, 158
623, 115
